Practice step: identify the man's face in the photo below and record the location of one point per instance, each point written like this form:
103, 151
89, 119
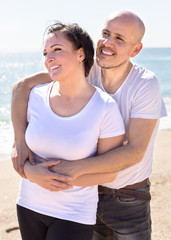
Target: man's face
117, 44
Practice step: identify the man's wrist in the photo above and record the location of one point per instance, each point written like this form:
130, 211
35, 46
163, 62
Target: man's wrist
81, 167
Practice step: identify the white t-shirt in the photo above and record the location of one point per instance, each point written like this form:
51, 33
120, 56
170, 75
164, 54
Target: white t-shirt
51, 136
138, 97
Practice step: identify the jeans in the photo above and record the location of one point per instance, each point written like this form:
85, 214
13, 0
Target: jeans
123, 218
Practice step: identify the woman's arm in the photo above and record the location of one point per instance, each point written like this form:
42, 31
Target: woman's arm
104, 145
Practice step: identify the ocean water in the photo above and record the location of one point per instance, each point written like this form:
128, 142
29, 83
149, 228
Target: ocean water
15, 66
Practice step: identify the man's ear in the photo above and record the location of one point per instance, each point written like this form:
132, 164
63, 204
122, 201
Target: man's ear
81, 55
137, 49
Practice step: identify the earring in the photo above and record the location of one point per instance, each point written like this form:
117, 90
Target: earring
80, 61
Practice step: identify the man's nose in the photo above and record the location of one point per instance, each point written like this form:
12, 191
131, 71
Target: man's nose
108, 42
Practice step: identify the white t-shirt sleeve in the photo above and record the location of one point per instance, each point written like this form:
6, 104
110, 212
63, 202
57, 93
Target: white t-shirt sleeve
147, 101
37, 97
111, 123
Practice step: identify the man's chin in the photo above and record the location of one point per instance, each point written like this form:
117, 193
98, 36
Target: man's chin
106, 65
102, 64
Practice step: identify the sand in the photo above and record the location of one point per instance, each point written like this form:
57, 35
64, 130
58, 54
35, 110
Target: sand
160, 189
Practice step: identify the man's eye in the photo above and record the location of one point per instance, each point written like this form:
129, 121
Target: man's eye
44, 53
119, 38
104, 34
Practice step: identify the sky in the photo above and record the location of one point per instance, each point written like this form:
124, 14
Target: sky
23, 22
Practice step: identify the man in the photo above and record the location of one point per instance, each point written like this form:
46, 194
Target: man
124, 205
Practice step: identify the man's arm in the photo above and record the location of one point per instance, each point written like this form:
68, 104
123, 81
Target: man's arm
94, 179
20, 95
104, 145
41, 175
139, 134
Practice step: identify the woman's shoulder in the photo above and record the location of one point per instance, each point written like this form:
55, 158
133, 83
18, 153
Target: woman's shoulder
41, 89
39, 92
106, 98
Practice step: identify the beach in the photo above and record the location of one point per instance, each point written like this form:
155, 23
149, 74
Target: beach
160, 190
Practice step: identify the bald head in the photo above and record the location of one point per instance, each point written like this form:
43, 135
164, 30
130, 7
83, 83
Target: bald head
130, 19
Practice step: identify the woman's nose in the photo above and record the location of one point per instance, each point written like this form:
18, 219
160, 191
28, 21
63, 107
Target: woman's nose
49, 58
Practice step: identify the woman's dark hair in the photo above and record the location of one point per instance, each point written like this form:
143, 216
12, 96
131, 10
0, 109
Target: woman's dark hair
79, 38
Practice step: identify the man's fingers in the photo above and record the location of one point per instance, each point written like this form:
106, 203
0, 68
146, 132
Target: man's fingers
18, 166
59, 186
41, 160
61, 178
50, 163
19, 155
31, 158
48, 160
62, 185
20, 171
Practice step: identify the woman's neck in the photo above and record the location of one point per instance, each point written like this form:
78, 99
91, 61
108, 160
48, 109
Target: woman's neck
69, 99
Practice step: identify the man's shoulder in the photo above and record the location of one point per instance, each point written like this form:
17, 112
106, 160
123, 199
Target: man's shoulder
143, 73
104, 95
94, 77
141, 76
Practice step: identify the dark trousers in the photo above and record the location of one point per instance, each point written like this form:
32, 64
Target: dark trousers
123, 218
35, 226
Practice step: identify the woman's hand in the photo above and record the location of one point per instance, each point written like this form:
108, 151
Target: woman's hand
41, 175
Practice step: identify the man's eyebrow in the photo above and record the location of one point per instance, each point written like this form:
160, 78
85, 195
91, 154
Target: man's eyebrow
105, 30
117, 34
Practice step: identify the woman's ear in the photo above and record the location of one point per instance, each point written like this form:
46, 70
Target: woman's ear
81, 55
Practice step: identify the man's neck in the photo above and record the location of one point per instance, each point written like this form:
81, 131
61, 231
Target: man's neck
113, 78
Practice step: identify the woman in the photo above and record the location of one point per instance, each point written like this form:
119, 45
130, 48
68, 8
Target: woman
68, 119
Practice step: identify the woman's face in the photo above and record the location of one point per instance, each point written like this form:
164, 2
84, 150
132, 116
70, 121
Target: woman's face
61, 59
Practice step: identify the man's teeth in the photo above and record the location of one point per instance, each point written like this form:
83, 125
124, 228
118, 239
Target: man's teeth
107, 53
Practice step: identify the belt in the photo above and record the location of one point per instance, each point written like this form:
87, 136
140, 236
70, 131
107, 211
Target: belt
128, 191
138, 185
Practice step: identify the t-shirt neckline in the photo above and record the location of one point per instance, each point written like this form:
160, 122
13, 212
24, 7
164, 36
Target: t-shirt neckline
91, 100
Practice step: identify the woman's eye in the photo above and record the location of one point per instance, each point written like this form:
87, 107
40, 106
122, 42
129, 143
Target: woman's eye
57, 49
44, 53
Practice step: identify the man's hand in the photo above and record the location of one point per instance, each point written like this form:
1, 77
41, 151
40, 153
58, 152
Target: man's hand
68, 168
41, 175
20, 153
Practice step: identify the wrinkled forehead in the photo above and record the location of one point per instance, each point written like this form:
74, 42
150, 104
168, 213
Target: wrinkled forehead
124, 26
122, 22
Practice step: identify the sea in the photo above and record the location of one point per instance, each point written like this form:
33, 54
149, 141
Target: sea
16, 66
